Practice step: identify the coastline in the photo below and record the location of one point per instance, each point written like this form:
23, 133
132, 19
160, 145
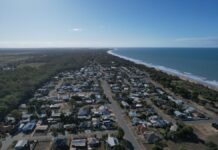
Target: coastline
184, 76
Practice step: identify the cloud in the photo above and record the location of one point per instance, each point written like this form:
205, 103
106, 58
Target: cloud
40, 44
198, 41
76, 29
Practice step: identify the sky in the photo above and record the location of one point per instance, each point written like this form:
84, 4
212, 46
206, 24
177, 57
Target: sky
108, 23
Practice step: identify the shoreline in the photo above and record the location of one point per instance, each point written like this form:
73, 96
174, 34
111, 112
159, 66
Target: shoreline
183, 76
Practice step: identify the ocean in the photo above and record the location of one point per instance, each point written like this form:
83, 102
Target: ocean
199, 64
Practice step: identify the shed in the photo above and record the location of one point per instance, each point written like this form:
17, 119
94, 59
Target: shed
41, 128
21, 145
79, 143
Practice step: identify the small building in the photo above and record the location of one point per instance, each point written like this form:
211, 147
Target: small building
124, 104
84, 113
41, 128
111, 142
57, 127
160, 91
60, 143
178, 102
103, 110
190, 109
96, 123
151, 137
10, 119
66, 98
29, 127
135, 121
141, 128
55, 106
22, 145
55, 115
93, 142
174, 128
70, 127
179, 114
26, 118
138, 105
23, 106
133, 114
86, 125
78, 144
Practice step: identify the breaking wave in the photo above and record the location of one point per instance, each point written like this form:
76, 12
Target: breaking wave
184, 75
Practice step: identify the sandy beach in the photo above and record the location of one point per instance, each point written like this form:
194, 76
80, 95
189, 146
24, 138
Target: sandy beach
184, 76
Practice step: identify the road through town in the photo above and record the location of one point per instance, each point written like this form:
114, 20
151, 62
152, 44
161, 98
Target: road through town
122, 122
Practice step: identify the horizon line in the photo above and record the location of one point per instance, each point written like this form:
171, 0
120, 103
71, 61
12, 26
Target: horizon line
99, 47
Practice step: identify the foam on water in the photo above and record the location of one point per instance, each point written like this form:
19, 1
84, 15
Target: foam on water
184, 75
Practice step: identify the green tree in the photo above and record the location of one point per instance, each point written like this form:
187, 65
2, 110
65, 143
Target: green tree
119, 147
156, 147
76, 98
211, 146
184, 132
120, 134
182, 148
195, 95
16, 114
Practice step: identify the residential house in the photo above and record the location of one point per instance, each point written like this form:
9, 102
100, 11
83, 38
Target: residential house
80, 144
22, 145
84, 113
111, 142
151, 137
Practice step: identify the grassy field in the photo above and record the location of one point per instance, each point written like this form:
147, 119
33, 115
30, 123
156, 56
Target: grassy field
11, 58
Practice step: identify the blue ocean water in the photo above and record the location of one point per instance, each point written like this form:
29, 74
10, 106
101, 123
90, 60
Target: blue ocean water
199, 63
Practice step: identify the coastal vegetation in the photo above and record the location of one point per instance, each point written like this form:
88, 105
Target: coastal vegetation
18, 85
189, 90
196, 92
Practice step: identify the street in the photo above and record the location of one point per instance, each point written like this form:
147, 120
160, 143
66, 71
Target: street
129, 135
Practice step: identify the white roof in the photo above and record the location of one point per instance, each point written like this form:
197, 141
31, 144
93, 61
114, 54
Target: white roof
21, 143
112, 141
42, 127
124, 103
103, 108
78, 142
174, 127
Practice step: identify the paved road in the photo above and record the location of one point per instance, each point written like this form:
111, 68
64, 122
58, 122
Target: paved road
160, 112
129, 135
53, 92
9, 140
213, 117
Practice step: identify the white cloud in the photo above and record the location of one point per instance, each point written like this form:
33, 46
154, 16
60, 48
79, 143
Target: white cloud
39, 44
76, 29
198, 41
